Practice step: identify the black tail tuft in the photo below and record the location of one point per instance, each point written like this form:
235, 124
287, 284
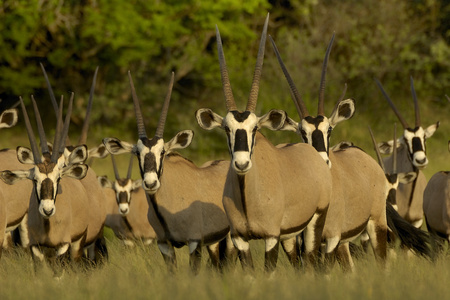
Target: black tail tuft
411, 237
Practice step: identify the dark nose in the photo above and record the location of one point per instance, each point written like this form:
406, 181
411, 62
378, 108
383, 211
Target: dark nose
48, 212
421, 161
241, 166
150, 186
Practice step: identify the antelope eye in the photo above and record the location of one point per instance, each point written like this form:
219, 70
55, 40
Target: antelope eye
255, 129
227, 129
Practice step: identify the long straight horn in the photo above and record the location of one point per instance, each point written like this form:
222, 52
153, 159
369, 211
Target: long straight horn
42, 137
296, 97
251, 104
59, 126
343, 93
84, 130
228, 93
320, 110
130, 167
162, 118
116, 172
31, 137
65, 130
137, 110
50, 90
394, 151
377, 151
416, 103
397, 113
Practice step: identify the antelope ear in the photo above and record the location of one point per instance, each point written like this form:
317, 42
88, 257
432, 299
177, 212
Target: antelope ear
274, 119
77, 171
406, 177
105, 182
180, 141
207, 119
343, 110
11, 177
78, 155
429, 131
290, 125
98, 152
342, 146
136, 184
386, 147
25, 155
8, 118
116, 146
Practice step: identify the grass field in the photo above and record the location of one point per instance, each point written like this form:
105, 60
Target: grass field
140, 273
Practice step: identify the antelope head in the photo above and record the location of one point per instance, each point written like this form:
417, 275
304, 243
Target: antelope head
316, 131
50, 167
123, 187
150, 151
241, 126
393, 178
413, 138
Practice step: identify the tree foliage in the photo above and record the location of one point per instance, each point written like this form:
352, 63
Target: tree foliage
389, 40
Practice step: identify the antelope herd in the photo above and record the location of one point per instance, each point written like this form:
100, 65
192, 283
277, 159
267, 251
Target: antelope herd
309, 196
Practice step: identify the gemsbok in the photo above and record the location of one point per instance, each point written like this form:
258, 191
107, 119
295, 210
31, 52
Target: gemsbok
70, 224
127, 207
93, 188
270, 193
13, 200
436, 206
185, 201
413, 238
358, 184
411, 157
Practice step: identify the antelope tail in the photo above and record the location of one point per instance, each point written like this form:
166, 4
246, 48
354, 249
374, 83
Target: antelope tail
411, 237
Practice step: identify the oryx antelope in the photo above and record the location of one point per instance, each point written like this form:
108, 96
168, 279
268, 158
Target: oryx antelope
185, 201
410, 236
13, 199
60, 215
270, 193
411, 157
436, 206
95, 192
127, 207
358, 184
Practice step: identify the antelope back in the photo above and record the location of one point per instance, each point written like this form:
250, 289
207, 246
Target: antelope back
436, 203
190, 193
362, 186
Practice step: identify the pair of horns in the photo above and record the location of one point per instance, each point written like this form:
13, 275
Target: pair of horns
116, 171
394, 108
137, 110
296, 97
85, 128
394, 152
60, 134
229, 99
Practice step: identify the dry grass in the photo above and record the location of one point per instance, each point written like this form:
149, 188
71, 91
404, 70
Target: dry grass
140, 273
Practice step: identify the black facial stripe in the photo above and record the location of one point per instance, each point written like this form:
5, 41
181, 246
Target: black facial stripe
240, 141
318, 141
392, 178
391, 198
417, 145
240, 116
47, 189
123, 197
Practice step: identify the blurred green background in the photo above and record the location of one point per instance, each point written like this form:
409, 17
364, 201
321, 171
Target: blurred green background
388, 40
